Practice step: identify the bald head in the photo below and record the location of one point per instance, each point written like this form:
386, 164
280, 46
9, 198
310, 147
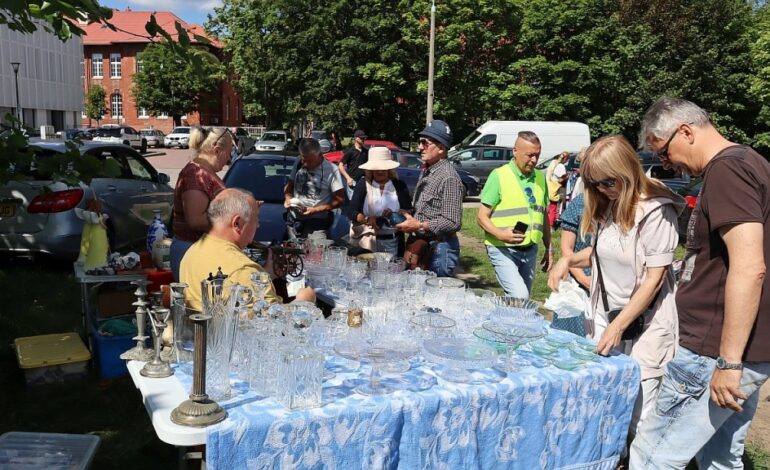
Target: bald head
234, 216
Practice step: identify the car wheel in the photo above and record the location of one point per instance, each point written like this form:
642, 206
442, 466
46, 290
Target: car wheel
143, 147
125, 142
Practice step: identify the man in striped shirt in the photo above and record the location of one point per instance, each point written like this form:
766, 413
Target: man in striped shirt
437, 200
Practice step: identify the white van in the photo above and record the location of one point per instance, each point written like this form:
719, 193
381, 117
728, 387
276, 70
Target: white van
555, 137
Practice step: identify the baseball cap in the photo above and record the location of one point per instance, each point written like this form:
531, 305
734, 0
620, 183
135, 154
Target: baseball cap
359, 133
439, 131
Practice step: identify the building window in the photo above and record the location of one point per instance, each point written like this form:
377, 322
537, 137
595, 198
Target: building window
96, 65
117, 105
163, 115
143, 113
139, 62
114, 65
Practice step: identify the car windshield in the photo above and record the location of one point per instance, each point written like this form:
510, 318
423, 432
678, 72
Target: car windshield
471, 137
181, 130
264, 178
108, 132
148, 132
274, 136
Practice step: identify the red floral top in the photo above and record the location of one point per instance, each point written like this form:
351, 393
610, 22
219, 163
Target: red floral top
193, 176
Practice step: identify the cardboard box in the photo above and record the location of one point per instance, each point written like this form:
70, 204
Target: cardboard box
112, 301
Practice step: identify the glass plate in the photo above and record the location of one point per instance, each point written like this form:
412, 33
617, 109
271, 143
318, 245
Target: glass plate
492, 339
583, 355
514, 333
560, 338
585, 344
566, 362
543, 348
460, 353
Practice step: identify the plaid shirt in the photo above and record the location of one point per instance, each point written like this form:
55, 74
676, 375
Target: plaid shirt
438, 198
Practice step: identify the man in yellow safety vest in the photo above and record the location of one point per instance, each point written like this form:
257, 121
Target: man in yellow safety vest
513, 215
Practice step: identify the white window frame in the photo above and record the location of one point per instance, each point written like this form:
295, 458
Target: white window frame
97, 65
116, 103
142, 113
163, 115
116, 68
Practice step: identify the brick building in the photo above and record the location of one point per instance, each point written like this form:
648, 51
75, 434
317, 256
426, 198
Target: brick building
110, 60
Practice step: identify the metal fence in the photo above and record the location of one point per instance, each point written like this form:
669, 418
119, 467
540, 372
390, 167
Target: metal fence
255, 131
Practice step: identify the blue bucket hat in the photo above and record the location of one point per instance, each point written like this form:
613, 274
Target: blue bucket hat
438, 131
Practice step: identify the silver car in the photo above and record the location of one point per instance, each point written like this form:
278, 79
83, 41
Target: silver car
33, 222
154, 137
273, 140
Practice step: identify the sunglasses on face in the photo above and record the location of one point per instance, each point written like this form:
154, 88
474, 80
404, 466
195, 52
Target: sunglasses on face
663, 152
426, 143
607, 183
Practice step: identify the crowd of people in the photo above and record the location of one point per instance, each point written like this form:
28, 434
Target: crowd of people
700, 340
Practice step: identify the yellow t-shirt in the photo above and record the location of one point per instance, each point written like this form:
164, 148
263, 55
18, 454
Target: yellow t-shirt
209, 254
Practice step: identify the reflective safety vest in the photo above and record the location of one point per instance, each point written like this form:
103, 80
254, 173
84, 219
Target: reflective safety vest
514, 206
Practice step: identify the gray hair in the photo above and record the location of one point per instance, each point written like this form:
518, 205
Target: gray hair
666, 114
529, 136
229, 203
309, 145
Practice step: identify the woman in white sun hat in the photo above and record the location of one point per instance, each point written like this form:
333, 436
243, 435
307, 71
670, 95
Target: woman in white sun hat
372, 203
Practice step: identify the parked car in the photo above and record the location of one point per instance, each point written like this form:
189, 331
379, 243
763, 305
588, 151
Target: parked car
274, 140
36, 222
178, 137
480, 160
244, 143
79, 134
336, 156
671, 177
690, 193
411, 169
125, 135
265, 175
154, 137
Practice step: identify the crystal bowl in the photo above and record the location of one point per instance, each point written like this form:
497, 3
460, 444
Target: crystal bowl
458, 355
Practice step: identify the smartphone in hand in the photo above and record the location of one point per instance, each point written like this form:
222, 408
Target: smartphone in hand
520, 227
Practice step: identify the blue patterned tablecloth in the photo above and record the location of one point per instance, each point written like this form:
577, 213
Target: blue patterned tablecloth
539, 418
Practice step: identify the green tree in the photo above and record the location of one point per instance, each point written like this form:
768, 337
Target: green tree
166, 84
94, 106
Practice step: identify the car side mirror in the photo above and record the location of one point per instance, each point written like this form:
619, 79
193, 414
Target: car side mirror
163, 178
326, 146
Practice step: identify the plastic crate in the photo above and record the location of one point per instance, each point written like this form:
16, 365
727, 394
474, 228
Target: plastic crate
107, 351
52, 358
34, 450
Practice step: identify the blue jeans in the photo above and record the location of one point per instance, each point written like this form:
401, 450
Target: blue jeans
685, 423
176, 253
444, 256
515, 269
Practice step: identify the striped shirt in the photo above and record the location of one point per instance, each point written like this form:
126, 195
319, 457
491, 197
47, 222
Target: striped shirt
438, 198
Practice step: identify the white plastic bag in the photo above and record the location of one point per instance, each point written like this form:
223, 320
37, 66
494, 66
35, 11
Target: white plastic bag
570, 301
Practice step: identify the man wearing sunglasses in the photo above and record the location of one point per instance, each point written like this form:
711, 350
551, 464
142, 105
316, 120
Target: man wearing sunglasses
438, 204
513, 215
710, 389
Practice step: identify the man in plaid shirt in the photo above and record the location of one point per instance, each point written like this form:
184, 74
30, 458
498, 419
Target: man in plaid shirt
437, 200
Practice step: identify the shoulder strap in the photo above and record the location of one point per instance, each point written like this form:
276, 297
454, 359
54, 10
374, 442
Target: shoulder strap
602, 291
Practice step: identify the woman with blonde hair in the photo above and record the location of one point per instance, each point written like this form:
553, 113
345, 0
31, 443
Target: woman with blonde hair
632, 220
372, 202
197, 184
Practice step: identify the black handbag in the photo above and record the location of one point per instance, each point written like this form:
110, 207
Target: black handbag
636, 327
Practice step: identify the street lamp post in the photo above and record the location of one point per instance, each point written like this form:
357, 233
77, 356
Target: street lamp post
429, 113
15, 66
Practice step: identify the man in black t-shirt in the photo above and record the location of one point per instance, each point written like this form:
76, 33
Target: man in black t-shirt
710, 389
352, 159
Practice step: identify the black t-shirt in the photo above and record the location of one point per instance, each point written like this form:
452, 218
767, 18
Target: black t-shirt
736, 189
352, 159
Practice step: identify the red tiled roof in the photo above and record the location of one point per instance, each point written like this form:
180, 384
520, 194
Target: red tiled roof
131, 24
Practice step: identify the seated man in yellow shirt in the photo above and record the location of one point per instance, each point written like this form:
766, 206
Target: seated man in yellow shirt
234, 219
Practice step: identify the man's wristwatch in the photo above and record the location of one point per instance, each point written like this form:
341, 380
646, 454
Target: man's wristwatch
723, 364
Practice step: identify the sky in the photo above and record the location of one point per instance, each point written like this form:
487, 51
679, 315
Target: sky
192, 11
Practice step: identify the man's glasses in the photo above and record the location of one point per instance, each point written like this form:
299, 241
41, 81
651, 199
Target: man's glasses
607, 183
530, 195
663, 152
426, 143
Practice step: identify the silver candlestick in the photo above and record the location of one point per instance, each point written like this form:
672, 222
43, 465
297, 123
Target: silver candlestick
139, 352
158, 368
199, 411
